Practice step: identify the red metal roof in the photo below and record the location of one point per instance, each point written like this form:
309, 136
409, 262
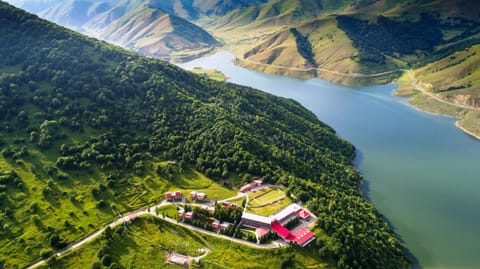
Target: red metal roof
261, 232
302, 213
301, 236
280, 230
248, 187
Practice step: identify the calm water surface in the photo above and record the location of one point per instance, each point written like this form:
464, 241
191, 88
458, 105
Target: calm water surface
422, 172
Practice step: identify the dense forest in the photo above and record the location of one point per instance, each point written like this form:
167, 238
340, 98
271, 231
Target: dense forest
93, 108
396, 37
304, 47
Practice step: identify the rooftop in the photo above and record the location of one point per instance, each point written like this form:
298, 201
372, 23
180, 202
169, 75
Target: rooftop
291, 209
302, 236
261, 232
255, 217
303, 213
280, 230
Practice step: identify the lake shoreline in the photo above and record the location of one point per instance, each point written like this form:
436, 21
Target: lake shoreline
343, 79
472, 134
407, 159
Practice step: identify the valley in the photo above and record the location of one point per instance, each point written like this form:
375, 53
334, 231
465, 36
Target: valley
347, 42
89, 130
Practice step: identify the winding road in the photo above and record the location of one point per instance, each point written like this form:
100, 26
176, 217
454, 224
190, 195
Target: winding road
353, 75
428, 93
414, 83
151, 211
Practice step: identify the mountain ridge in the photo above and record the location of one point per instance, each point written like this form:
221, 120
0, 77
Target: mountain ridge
169, 37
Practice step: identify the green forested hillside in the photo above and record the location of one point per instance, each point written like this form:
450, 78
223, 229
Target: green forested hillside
87, 128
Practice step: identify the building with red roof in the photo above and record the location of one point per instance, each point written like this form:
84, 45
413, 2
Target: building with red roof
259, 181
248, 187
169, 196
261, 232
262, 225
178, 195
201, 196
224, 226
193, 194
216, 224
303, 214
280, 230
302, 237
181, 214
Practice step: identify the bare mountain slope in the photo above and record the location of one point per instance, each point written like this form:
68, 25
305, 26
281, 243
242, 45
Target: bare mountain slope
139, 25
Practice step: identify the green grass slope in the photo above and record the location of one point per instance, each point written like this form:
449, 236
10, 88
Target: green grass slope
454, 79
348, 37
88, 129
148, 242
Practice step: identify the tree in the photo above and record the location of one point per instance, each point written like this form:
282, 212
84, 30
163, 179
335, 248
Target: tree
57, 242
104, 250
107, 260
96, 265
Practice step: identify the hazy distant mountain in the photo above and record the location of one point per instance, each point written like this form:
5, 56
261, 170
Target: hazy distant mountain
144, 26
154, 32
34, 6
75, 13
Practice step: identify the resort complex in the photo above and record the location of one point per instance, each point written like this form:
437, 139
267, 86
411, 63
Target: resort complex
289, 223
301, 236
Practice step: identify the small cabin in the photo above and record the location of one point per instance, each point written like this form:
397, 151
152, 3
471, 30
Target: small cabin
224, 226
189, 215
201, 196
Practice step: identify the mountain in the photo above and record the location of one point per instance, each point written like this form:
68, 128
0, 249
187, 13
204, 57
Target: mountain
34, 6
139, 25
153, 32
348, 36
75, 13
367, 42
348, 41
200, 9
89, 131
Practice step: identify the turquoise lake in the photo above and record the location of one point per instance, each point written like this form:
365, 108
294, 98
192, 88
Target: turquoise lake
421, 172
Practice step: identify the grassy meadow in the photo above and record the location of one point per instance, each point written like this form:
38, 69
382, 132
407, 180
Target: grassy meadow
149, 239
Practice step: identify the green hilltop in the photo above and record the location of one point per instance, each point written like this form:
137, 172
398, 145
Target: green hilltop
88, 130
